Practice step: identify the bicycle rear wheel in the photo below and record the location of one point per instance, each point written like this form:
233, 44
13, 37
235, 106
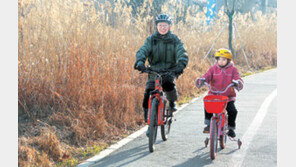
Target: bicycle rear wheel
165, 128
223, 138
153, 125
213, 139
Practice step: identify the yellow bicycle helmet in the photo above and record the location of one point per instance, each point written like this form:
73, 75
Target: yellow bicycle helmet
224, 53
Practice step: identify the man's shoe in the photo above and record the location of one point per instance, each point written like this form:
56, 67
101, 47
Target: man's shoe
147, 132
231, 133
172, 106
145, 114
207, 129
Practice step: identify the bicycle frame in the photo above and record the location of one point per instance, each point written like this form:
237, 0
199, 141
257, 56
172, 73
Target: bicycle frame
221, 121
220, 117
216, 104
157, 113
157, 93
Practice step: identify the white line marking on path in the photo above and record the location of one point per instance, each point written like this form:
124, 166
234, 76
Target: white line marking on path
238, 157
124, 141
112, 148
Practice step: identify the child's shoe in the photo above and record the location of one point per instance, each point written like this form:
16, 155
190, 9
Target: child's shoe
231, 133
207, 129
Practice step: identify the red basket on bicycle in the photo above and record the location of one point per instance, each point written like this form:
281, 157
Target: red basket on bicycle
215, 103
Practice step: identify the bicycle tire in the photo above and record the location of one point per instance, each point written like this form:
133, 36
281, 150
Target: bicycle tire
223, 138
165, 129
153, 124
213, 139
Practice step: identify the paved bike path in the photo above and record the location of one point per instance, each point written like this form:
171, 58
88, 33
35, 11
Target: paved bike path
185, 147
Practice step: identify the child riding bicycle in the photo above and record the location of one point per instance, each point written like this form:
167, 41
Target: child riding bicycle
219, 76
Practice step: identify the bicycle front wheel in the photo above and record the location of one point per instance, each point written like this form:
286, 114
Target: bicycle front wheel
223, 137
153, 125
213, 139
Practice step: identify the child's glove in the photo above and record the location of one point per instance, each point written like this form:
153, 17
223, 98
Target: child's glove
199, 82
238, 85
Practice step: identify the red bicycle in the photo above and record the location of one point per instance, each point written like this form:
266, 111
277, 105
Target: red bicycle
158, 115
216, 104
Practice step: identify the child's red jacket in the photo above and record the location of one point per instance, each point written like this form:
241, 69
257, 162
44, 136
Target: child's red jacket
219, 78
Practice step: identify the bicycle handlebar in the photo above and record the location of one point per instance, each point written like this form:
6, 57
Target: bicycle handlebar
219, 92
159, 72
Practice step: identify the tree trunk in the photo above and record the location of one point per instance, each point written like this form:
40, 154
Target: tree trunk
230, 13
230, 30
263, 6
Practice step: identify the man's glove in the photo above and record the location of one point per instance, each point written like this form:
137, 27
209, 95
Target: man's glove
141, 67
179, 70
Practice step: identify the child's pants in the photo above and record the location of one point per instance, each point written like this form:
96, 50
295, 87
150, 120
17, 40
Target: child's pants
232, 112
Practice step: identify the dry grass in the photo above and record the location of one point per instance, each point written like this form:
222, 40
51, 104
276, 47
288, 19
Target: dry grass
75, 71
48, 150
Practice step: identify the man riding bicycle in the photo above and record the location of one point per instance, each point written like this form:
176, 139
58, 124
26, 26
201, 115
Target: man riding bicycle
165, 52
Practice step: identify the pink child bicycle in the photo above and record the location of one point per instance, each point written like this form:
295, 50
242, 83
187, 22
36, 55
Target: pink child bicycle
216, 104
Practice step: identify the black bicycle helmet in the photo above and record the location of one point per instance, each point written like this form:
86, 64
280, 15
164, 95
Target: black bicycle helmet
163, 18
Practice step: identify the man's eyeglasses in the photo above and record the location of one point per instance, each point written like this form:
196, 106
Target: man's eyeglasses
164, 26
